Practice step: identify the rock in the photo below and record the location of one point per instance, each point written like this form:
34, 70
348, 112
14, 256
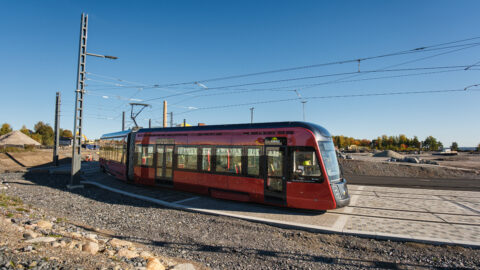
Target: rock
91, 237
184, 266
154, 264
43, 224
145, 255
41, 240
56, 244
125, 252
90, 247
28, 234
30, 227
76, 235
120, 243
63, 243
27, 249
72, 244
109, 252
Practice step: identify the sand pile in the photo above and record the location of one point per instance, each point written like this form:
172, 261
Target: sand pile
389, 153
17, 138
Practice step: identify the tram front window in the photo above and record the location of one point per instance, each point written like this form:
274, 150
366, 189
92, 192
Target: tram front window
305, 165
327, 150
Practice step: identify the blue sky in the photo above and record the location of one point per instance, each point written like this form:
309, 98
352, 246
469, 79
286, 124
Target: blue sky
163, 42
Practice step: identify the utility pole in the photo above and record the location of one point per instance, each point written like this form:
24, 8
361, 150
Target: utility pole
303, 108
171, 119
57, 129
123, 120
149, 123
79, 94
251, 114
184, 122
164, 113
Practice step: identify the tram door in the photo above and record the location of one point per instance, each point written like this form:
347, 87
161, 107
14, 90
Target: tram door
164, 165
275, 174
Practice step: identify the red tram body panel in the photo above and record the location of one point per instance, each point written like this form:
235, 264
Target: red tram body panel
288, 164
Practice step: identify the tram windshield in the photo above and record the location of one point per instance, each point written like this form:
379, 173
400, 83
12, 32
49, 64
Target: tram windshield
327, 149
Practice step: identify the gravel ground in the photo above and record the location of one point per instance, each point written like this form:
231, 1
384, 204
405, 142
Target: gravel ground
222, 242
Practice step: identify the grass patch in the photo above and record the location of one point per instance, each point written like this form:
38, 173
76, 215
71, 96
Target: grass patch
60, 220
20, 209
6, 200
9, 215
55, 235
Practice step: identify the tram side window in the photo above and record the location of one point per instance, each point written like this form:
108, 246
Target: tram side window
187, 158
305, 165
147, 155
138, 155
253, 161
206, 159
229, 160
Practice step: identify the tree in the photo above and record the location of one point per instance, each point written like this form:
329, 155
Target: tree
66, 133
454, 146
432, 144
6, 128
478, 147
45, 131
25, 130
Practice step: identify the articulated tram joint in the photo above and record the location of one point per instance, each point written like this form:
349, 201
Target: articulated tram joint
340, 192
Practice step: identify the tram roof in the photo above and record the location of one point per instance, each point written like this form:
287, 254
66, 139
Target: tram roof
116, 134
318, 130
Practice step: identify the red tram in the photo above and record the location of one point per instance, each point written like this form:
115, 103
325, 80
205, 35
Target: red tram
290, 164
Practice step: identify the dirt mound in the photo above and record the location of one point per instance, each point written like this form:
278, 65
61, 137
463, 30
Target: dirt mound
389, 153
17, 138
360, 167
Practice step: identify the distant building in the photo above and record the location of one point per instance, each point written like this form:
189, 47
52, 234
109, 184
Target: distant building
65, 141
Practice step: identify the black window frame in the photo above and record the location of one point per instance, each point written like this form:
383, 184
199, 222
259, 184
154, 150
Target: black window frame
307, 179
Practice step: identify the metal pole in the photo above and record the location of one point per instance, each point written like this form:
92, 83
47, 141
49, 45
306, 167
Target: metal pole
164, 113
57, 129
78, 120
184, 122
123, 120
149, 123
251, 115
171, 119
303, 108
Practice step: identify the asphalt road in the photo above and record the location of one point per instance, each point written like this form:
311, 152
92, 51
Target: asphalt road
430, 183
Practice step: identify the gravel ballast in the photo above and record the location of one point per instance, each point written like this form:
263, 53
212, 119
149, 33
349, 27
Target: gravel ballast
222, 242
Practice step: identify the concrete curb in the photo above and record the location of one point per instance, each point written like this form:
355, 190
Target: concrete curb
292, 225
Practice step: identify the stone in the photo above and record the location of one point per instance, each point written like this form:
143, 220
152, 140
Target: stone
41, 240
76, 235
120, 243
63, 243
72, 244
28, 234
43, 224
30, 227
56, 244
145, 255
154, 264
109, 252
90, 247
184, 266
125, 252
91, 237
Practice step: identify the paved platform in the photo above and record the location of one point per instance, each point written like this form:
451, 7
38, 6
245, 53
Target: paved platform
406, 214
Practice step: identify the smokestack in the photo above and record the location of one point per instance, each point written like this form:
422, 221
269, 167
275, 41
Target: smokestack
164, 113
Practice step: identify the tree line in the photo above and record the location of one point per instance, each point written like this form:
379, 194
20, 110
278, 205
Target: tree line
395, 143
42, 132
